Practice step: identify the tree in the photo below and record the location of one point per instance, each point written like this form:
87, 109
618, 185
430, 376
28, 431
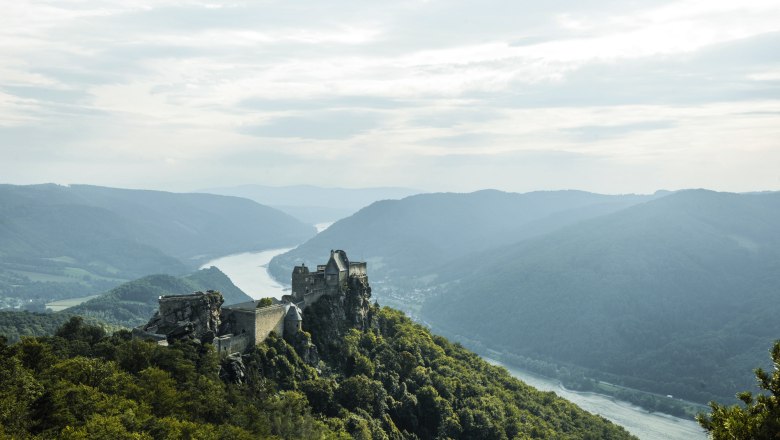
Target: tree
758, 419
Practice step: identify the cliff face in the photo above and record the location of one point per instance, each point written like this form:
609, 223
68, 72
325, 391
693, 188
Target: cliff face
330, 318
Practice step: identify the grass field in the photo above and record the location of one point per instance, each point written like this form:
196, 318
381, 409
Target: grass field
58, 306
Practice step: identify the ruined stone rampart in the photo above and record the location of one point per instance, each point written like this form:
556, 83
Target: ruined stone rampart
269, 319
228, 344
357, 269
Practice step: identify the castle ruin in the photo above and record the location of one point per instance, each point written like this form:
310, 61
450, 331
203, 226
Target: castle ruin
329, 279
237, 327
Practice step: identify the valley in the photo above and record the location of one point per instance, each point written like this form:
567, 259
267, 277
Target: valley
243, 270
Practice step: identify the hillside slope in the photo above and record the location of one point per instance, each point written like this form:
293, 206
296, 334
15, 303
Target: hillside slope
677, 295
132, 303
410, 237
59, 242
395, 381
314, 204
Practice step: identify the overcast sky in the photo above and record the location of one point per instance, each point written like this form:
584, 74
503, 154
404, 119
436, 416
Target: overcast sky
608, 96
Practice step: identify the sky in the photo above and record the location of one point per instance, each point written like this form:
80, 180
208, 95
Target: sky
605, 96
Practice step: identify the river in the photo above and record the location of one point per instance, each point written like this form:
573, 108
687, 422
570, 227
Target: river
637, 421
249, 272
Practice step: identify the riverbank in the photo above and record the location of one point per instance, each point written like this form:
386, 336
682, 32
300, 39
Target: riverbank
638, 421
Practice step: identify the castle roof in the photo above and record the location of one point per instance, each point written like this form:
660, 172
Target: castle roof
293, 314
339, 257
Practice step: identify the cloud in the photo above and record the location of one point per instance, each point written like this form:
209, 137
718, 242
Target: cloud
178, 86
595, 133
326, 125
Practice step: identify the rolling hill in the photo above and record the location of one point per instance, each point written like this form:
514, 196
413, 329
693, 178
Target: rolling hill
677, 295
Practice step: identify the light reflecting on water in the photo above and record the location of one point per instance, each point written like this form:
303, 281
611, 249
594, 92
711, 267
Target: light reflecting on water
249, 271
322, 226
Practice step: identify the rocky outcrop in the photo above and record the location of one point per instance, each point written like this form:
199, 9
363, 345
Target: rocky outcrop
232, 369
357, 307
194, 316
303, 345
330, 318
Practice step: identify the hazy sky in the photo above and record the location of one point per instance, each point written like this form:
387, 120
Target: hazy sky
608, 96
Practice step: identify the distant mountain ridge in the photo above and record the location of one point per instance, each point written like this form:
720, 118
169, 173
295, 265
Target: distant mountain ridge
415, 235
315, 204
677, 295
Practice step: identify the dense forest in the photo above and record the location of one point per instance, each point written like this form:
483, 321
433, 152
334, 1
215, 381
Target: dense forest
15, 325
72, 241
675, 296
395, 381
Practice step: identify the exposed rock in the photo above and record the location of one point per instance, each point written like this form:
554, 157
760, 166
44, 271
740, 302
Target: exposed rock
194, 316
232, 369
330, 318
303, 345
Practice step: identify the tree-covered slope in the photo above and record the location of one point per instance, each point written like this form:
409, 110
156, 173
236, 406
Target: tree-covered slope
399, 382
59, 242
15, 325
416, 234
677, 295
132, 303
197, 226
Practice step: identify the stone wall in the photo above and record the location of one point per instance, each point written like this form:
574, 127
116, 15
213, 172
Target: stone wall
232, 343
357, 269
268, 319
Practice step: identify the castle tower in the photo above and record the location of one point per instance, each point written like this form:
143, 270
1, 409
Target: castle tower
292, 321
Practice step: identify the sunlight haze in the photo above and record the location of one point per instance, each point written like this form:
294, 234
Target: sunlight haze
604, 96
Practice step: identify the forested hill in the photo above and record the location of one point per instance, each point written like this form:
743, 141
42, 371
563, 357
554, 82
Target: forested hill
58, 241
677, 295
184, 226
395, 381
131, 304
416, 234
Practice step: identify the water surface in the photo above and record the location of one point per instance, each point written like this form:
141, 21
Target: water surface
249, 272
637, 421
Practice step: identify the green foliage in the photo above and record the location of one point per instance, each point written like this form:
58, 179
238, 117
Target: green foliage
398, 382
398, 378
15, 325
265, 302
759, 416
